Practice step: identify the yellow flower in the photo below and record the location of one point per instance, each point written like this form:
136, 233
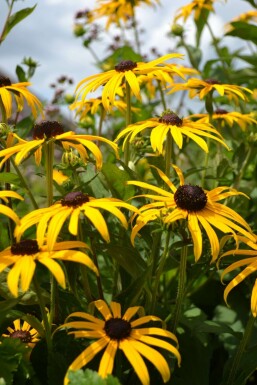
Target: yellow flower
7, 210
23, 256
116, 10
92, 106
201, 88
24, 332
199, 207
196, 7
251, 267
126, 70
169, 122
227, 118
20, 93
72, 205
119, 332
53, 131
247, 16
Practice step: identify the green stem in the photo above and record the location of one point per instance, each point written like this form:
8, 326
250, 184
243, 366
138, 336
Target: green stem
159, 271
25, 185
181, 288
168, 153
2, 37
134, 23
162, 96
47, 325
240, 351
128, 121
98, 277
83, 269
242, 168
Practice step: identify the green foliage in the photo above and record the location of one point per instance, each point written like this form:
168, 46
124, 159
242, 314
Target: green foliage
90, 377
16, 18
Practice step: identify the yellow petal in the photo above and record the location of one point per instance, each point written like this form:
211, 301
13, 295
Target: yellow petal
107, 361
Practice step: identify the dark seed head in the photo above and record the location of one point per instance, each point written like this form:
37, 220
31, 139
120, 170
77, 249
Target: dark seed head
75, 199
125, 65
23, 335
4, 81
212, 81
190, 198
25, 247
47, 129
220, 111
171, 119
117, 328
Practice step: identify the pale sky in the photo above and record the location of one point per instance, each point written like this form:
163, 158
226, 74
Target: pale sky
46, 35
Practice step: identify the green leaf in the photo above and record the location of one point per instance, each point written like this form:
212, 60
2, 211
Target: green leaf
90, 377
216, 328
116, 181
21, 75
244, 31
12, 352
200, 24
16, 18
195, 55
252, 2
9, 177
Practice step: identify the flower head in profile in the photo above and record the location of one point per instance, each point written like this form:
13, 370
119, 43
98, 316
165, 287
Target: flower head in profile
249, 265
196, 7
53, 131
227, 118
24, 331
117, 10
113, 331
20, 93
179, 128
199, 207
4, 209
201, 88
128, 71
22, 258
72, 205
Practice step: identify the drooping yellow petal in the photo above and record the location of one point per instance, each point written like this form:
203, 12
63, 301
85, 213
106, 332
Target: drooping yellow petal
28, 266
55, 269
196, 234
98, 221
107, 361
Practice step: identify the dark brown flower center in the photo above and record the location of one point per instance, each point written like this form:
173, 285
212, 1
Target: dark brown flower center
190, 198
4, 81
25, 247
117, 328
23, 335
47, 129
212, 81
74, 199
220, 111
171, 119
125, 65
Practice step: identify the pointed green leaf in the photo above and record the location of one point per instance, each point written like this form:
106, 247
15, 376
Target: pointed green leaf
16, 18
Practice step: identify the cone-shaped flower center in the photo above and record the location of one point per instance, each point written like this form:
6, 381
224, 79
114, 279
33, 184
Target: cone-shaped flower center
171, 119
212, 81
125, 65
220, 111
25, 247
23, 335
75, 199
4, 81
117, 328
190, 198
48, 129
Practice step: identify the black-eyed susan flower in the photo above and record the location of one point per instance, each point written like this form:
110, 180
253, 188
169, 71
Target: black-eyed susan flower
198, 206
227, 118
115, 332
24, 331
20, 93
51, 219
22, 257
117, 10
249, 264
53, 131
198, 87
4, 195
179, 128
126, 70
195, 7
